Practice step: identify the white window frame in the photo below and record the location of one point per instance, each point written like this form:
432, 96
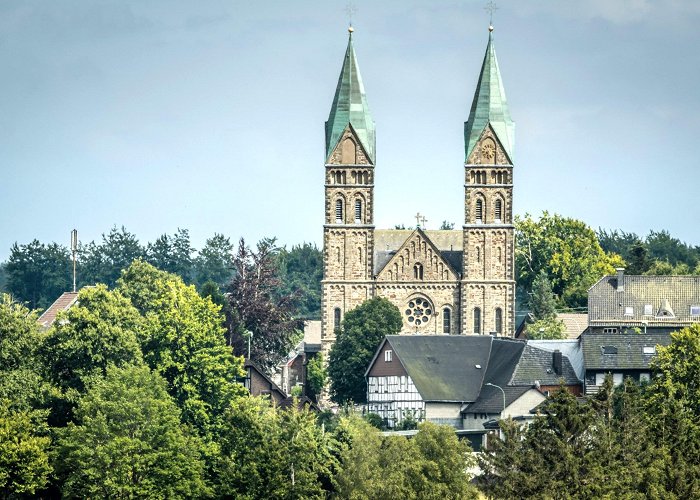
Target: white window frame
388, 356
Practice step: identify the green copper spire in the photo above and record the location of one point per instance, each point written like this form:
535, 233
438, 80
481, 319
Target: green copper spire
350, 107
489, 106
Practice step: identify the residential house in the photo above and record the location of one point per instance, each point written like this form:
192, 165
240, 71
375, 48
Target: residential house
62, 303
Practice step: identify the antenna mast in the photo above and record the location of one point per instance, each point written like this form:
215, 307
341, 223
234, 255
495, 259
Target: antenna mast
74, 250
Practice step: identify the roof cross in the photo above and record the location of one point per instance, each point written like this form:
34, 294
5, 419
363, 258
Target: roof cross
420, 220
350, 10
491, 7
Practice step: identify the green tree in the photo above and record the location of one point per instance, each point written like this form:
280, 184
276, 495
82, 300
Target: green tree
549, 328
567, 250
24, 452
3, 277
638, 261
256, 307
214, 262
662, 246
128, 442
301, 271
543, 303
103, 263
360, 334
618, 242
172, 254
183, 340
316, 375
446, 226
38, 274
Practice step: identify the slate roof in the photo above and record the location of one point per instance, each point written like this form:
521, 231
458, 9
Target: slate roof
388, 241
443, 367
569, 348
350, 107
536, 364
489, 106
63, 303
607, 305
599, 350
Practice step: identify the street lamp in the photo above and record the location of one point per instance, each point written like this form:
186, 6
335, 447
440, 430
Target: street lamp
503, 413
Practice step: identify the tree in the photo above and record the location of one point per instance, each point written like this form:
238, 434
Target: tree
360, 334
618, 242
128, 442
316, 375
172, 254
24, 452
38, 274
183, 340
549, 328
100, 330
103, 263
301, 271
638, 261
3, 277
256, 308
567, 250
543, 303
446, 226
214, 261
270, 453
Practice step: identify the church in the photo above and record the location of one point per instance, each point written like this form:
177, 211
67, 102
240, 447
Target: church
456, 282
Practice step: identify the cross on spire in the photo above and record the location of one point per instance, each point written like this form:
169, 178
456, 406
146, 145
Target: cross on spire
420, 220
350, 10
491, 7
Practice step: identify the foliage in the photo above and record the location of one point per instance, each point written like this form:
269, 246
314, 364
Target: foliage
316, 375
273, 454
256, 307
375, 420
183, 340
172, 254
37, 274
359, 336
3, 277
543, 303
214, 261
567, 250
432, 465
24, 452
128, 442
301, 271
446, 226
549, 328
103, 263
408, 421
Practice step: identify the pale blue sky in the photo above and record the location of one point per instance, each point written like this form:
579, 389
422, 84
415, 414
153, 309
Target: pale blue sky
209, 115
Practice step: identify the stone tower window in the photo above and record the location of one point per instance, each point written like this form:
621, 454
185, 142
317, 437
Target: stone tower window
339, 211
358, 211
336, 319
446, 320
479, 210
498, 210
477, 320
499, 320
418, 272
349, 152
478, 254
418, 311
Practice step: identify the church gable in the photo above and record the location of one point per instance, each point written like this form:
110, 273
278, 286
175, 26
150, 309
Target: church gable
488, 150
418, 259
349, 150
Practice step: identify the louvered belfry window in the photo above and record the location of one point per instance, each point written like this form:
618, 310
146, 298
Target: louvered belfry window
339, 211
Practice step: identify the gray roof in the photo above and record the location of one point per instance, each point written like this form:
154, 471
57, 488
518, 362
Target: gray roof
611, 351
537, 365
388, 241
569, 348
444, 367
607, 305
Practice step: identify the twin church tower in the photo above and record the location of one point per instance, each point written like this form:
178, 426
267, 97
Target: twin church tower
442, 281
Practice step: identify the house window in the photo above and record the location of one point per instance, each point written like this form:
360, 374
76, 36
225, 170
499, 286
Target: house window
338, 211
695, 310
358, 211
499, 320
649, 350
617, 378
336, 318
477, 320
609, 349
446, 320
609, 330
644, 377
497, 212
388, 356
418, 272
648, 310
629, 311
479, 210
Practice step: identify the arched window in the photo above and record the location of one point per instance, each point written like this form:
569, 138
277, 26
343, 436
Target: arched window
349, 152
477, 320
499, 178
336, 319
339, 211
358, 211
418, 271
498, 210
446, 320
499, 320
479, 210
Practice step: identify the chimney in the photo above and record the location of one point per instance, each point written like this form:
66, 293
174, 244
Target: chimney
620, 279
557, 361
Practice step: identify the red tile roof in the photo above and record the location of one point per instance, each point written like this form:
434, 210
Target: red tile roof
63, 303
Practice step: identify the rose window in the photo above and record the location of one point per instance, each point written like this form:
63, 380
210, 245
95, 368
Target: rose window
418, 311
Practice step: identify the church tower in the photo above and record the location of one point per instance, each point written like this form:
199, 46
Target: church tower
488, 284
348, 230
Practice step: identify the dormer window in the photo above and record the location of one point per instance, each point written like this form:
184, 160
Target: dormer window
648, 309
695, 310
629, 311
